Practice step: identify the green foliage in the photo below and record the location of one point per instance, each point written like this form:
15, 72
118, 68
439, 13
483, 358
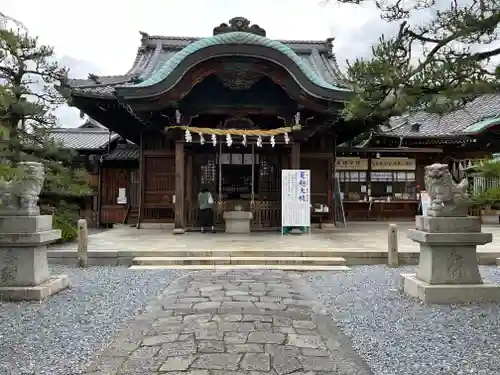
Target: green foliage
437, 65
65, 218
29, 74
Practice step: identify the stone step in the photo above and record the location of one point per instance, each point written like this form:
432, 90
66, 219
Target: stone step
239, 260
241, 252
498, 261
287, 267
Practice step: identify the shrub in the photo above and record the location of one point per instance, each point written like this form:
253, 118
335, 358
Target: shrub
65, 218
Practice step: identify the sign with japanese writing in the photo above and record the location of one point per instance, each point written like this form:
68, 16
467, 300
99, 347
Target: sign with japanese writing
351, 164
393, 164
295, 198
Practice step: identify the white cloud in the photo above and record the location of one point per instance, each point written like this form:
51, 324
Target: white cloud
101, 36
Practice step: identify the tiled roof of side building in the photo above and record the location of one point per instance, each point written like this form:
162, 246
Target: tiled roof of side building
474, 118
124, 152
83, 138
156, 51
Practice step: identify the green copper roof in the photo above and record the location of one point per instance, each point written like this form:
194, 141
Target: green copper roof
234, 38
481, 125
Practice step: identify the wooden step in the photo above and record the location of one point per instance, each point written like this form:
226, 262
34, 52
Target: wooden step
243, 260
286, 267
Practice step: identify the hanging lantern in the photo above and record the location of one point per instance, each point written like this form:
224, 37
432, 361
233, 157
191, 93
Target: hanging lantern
259, 141
272, 140
202, 140
188, 136
244, 141
214, 140
287, 138
229, 140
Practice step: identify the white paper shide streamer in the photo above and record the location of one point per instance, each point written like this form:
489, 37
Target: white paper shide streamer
244, 141
287, 139
259, 141
214, 140
229, 140
202, 140
272, 141
188, 136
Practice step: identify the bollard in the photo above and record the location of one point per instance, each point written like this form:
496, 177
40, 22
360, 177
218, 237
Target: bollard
392, 250
83, 242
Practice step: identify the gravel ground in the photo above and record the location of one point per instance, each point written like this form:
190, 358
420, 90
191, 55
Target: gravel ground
63, 334
398, 335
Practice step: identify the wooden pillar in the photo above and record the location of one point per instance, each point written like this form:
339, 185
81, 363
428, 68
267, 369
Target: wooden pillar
330, 188
179, 187
142, 180
295, 156
189, 190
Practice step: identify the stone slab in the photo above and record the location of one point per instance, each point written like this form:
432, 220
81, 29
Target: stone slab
450, 294
449, 239
35, 293
178, 231
25, 266
25, 224
29, 239
430, 224
448, 265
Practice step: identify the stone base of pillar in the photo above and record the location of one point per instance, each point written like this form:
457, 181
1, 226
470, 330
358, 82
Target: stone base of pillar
179, 231
451, 293
35, 293
24, 271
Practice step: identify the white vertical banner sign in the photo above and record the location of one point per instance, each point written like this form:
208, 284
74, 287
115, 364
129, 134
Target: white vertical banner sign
295, 198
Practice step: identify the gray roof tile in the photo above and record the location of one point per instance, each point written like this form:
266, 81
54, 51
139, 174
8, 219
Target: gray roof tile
455, 123
124, 152
83, 139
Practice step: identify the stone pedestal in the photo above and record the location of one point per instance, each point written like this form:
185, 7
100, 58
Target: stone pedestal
448, 270
237, 221
24, 235
24, 272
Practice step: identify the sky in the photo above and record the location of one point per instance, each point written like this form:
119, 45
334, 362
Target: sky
102, 36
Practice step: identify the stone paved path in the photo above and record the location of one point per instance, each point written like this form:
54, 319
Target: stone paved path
232, 322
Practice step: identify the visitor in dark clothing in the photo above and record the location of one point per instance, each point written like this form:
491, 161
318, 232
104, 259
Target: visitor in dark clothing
206, 211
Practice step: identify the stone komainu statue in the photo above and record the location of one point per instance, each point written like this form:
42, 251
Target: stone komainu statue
447, 198
20, 196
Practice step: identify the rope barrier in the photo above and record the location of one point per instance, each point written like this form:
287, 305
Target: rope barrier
247, 132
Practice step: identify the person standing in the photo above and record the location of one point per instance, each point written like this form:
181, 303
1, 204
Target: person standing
206, 211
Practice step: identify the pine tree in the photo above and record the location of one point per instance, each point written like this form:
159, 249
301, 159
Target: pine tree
438, 64
28, 96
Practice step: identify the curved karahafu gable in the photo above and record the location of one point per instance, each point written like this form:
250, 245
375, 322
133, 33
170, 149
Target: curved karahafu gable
235, 43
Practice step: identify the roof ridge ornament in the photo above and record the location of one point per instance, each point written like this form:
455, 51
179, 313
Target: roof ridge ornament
239, 24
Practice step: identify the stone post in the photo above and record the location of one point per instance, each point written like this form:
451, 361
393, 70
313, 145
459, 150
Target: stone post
83, 242
392, 246
448, 270
24, 235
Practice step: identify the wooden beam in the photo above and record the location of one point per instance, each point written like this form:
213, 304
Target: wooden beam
179, 187
295, 156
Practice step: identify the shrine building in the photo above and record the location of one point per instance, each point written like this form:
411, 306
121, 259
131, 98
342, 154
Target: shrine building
228, 112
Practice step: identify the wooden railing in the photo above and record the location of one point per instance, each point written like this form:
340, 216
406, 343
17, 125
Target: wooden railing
266, 214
